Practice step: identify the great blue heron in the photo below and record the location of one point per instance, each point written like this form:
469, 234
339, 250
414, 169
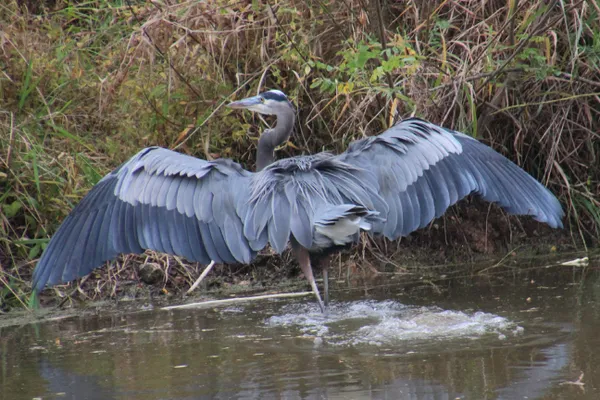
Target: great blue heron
391, 184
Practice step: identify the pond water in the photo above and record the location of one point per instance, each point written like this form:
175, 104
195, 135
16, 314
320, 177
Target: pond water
525, 335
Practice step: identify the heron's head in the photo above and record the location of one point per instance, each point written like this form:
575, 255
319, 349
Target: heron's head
271, 102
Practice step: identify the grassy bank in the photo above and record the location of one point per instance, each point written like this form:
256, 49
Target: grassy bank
85, 84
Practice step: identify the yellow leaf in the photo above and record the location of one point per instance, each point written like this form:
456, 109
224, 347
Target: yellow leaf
345, 87
398, 41
183, 134
393, 110
292, 145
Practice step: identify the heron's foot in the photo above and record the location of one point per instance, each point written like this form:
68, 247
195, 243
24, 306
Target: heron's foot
315, 289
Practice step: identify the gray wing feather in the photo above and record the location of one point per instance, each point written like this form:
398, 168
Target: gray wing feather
234, 238
57, 255
219, 241
422, 169
159, 200
91, 252
439, 192
279, 224
198, 251
416, 207
208, 241
425, 201
78, 252
54, 254
301, 225
158, 194
116, 227
394, 216
149, 231
260, 241
144, 234
179, 240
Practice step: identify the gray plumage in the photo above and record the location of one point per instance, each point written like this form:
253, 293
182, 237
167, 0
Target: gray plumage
392, 184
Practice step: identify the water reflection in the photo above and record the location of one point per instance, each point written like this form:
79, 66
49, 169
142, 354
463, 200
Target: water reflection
500, 342
536, 376
70, 385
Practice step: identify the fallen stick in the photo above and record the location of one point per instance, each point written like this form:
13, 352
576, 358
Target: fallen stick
578, 262
202, 276
210, 303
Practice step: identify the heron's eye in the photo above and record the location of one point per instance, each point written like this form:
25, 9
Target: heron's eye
262, 99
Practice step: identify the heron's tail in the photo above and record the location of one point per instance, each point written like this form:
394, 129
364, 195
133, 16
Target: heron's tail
341, 224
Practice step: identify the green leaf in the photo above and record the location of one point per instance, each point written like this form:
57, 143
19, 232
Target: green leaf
27, 85
34, 251
443, 24
10, 210
364, 55
391, 64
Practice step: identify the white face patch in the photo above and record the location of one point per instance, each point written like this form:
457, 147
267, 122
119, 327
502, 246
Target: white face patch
262, 109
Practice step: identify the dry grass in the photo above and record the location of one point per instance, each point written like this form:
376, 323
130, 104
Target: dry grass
83, 86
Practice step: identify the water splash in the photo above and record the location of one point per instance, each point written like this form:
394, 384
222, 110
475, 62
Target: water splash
389, 322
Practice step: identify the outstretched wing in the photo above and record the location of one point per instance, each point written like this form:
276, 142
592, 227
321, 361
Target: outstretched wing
159, 200
422, 169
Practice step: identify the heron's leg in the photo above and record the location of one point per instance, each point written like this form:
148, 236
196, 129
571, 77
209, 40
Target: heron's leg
304, 261
323, 262
326, 283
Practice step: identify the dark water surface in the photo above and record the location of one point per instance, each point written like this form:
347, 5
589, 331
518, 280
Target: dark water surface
516, 336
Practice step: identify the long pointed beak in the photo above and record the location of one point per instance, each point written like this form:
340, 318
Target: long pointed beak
245, 103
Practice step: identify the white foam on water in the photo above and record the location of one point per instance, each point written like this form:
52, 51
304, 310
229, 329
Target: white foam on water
389, 322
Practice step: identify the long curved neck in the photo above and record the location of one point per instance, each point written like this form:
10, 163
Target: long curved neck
272, 138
